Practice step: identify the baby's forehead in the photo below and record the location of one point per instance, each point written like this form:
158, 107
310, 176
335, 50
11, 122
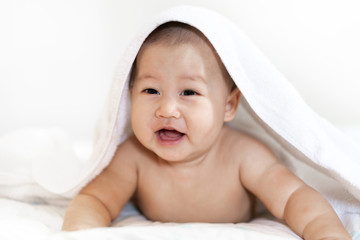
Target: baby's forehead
187, 61
198, 48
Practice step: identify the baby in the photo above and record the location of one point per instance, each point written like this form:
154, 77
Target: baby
184, 164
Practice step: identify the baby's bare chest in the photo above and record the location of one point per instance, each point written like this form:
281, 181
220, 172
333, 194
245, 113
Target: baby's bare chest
214, 195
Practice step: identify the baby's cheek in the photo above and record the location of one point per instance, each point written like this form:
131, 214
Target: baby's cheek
138, 121
204, 120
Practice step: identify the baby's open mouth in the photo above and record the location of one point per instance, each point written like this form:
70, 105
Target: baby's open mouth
167, 135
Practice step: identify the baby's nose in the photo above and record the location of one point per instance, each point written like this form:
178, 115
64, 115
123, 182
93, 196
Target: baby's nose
168, 108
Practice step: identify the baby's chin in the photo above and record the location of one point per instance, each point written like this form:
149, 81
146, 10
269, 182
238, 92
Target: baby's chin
177, 153
171, 156
180, 158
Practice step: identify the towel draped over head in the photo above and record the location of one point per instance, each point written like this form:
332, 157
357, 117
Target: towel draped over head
270, 110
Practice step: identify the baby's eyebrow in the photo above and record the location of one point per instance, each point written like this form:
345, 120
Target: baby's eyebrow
146, 76
196, 78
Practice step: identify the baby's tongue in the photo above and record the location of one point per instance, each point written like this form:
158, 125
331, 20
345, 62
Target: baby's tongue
170, 135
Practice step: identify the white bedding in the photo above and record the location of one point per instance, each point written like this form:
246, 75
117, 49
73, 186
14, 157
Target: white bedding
19, 220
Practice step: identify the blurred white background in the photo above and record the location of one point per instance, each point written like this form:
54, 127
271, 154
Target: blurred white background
57, 58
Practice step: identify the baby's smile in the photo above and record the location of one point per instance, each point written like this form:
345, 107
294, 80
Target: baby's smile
169, 136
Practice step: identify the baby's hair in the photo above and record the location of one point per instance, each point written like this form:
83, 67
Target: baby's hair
176, 33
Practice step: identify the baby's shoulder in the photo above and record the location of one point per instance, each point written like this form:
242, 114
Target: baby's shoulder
236, 138
129, 145
130, 150
243, 145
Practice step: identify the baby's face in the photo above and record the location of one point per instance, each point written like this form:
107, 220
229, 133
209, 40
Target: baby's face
178, 100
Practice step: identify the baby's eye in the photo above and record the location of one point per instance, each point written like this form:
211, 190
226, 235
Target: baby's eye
188, 92
151, 91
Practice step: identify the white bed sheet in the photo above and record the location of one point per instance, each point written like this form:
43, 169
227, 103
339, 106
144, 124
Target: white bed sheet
20, 220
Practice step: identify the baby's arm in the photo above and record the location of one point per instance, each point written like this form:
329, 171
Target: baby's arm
287, 197
102, 200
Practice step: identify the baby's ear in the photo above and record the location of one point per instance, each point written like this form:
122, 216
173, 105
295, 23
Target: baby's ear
232, 104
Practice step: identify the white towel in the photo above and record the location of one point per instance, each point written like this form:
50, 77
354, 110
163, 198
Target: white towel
271, 110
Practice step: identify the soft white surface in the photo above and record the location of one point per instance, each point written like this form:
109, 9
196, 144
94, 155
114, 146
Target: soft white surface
38, 221
19, 220
25, 152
